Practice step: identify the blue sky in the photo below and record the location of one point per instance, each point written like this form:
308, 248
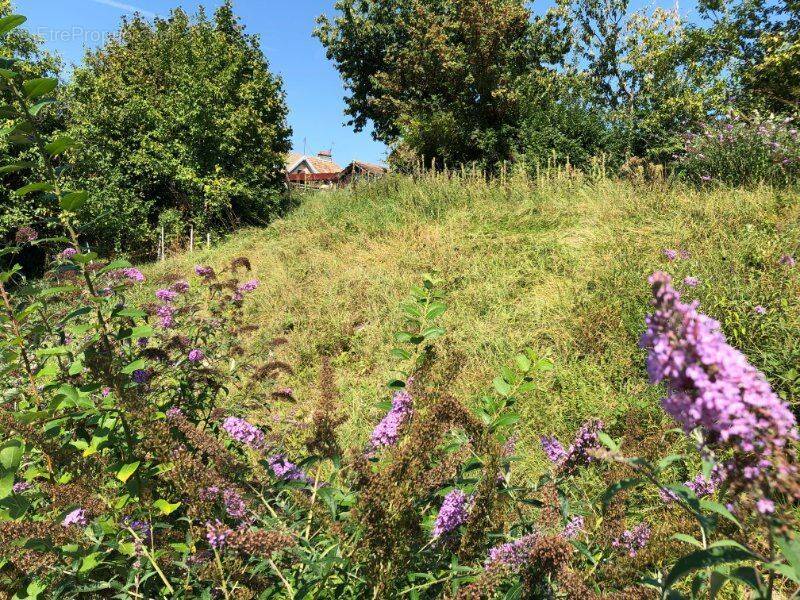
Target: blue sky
314, 89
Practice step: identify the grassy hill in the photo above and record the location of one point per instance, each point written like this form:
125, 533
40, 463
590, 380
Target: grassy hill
557, 265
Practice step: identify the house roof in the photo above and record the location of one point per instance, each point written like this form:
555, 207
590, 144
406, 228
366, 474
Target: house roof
363, 167
315, 164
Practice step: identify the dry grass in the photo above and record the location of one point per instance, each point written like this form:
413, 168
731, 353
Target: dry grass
557, 265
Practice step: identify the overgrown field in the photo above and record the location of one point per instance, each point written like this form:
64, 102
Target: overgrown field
557, 265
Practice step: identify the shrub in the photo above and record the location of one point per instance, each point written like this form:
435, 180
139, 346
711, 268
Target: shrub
740, 150
179, 115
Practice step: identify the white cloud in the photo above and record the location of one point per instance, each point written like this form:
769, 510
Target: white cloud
126, 7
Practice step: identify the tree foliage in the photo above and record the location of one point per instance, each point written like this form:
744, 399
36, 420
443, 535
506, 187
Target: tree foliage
178, 119
442, 76
489, 80
35, 62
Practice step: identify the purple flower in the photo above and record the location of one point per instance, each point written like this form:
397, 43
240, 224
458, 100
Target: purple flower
196, 355
244, 432
174, 412
512, 554
180, 287
703, 487
553, 449
759, 310
217, 534
670, 254
387, 432
166, 317
453, 513
76, 517
21, 487
142, 527
202, 271
234, 504
130, 273
166, 295
710, 384
765, 506
633, 540
288, 471
685, 254
67, 253
580, 451
705, 177
248, 286
574, 527
788, 260
106, 391
691, 281
141, 376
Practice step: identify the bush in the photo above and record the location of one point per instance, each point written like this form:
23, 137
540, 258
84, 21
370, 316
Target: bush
743, 150
182, 115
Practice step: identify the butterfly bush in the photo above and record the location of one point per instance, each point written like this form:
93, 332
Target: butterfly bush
387, 432
513, 554
580, 452
712, 386
742, 149
452, 515
242, 431
631, 541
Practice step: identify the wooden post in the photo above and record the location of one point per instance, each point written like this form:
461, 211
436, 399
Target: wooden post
163, 248
191, 238
208, 241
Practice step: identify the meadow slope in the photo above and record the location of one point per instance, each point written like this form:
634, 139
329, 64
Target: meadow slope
557, 265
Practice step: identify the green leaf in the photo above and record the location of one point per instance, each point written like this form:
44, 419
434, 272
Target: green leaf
165, 507
523, 363
126, 471
435, 310
783, 569
6, 483
790, 549
14, 167
704, 559
719, 509
502, 386
505, 421
37, 108
135, 365
682, 537
432, 333
74, 200
90, 561
11, 455
748, 576
669, 460
10, 23
34, 187
606, 440
36, 88
59, 146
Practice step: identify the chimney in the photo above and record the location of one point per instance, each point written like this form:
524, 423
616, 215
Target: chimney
325, 155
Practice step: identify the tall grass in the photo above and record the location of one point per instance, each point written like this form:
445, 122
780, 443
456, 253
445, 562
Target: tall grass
555, 263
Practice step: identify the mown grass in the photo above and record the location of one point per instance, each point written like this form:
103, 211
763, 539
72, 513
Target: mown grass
557, 265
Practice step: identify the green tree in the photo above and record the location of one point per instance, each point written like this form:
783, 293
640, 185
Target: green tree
644, 73
180, 120
758, 41
441, 78
34, 61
